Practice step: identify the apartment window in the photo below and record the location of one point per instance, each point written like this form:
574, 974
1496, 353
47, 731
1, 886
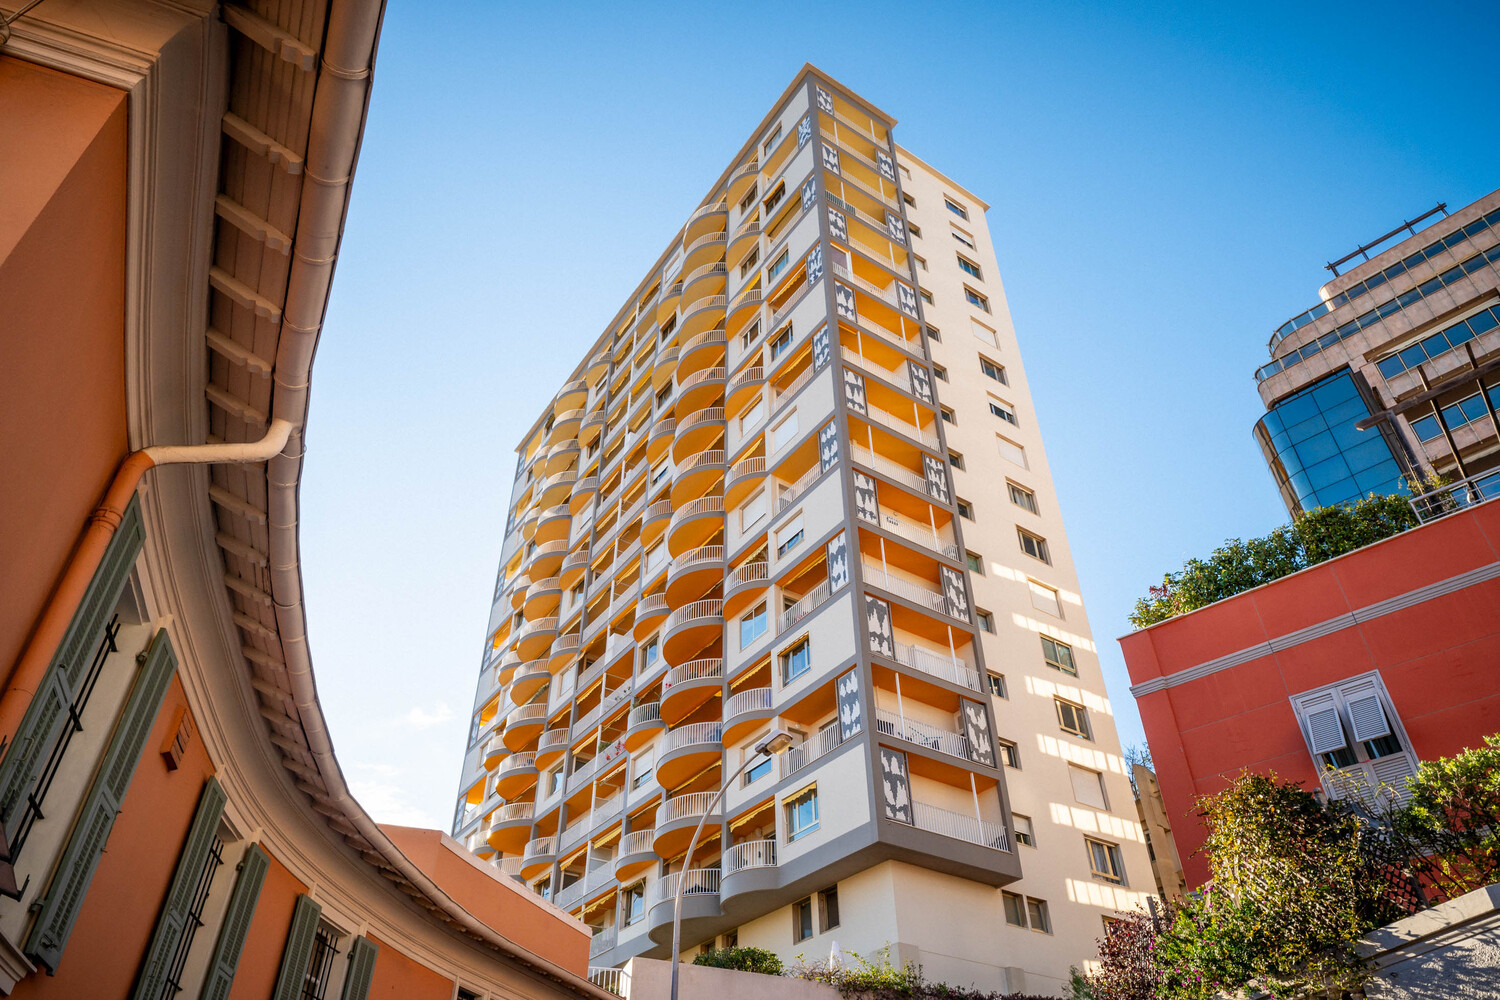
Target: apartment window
955, 208
758, 771
933, 333
771, 140
955, 459
802, 920
1021, 497
643, 765
914, 229
948, 417
802, 813
909, 200
543, 888
921, 262
1088, 786
651, 651
997, 685
751, 259
993, 370
1025, 835
784, 431
1059, 656
1010, 753
789, 536
964, 238
1033, 546
975, 561
320, 966
975, 299
1353, 728
1015, 908
940, 372
781, 342
464, 994
753, 625
777, 267
986, 621
828, 908
969, 267
633, 904
748, 202
1004, 411
753, 510
658, 472
1044, 598
1011, 452
663, 396
926, 295
750, 336
753, 416
1073, 718
965, 510
1036, 912
732, 939
982, 333
1104, 861
796, 661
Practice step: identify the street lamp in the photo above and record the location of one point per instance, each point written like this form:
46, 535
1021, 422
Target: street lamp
776, 741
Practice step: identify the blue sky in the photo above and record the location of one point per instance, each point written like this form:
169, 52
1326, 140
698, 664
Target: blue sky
1166, 185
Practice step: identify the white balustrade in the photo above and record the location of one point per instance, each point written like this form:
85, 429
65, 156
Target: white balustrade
959, 826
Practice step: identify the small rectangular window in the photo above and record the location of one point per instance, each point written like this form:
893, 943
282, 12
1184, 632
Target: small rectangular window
921, 262
1015, 908
997, 685
1011, 452
948, 416
909, 199
1036, 912
975, 299
969, 267
802, 813
781, 342
796, 661
955, 459
778, 266
1059, 656
789, 536
750, 336
940, 372
926, 295
965, 510
828, 908
758, 771
955, 208
752, 625
993, 370
748, 202
986, 621
914, 229
633, 904
933, 333
975, 562
753, 510
1073, 719
751, 259
802, 920
1010, 753
784, 431
1004, 411
1021, 497
1033, 545
771, 140
1025, 835
1104, 861
964, 238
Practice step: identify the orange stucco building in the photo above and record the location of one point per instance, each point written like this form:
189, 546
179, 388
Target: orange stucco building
174, 822
1356, 668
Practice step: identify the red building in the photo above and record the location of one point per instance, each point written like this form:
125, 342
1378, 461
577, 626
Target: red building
1368, 663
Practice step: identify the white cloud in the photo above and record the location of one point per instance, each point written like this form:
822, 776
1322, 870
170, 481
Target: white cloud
387, 802
423, 718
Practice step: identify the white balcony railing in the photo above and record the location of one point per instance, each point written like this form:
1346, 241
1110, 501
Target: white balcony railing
794, 492
516, 762
708, 668
540, 847
942, 740
636, 842
750, 854
959, 826
808, 603
642, 714
889, 469
511, 812
940, 664
748, 573
921, 534
689, 806
897, 378
697, 881
698, 610
697, 733
902, 426
742, 702
798, 757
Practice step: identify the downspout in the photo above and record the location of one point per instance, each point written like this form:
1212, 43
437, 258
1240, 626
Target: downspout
105, 520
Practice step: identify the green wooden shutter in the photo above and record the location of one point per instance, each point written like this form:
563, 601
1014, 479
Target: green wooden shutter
48, 711
299, 949
362, 955
172, 924
236, 924
80, 857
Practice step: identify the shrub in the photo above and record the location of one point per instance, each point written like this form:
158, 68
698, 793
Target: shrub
879, 979
1452, 821
741, 960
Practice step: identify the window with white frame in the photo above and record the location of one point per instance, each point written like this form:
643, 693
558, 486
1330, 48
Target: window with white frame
1044, 598
1025, 835
789, 536
750, 336
784, 431
993, 370
1088, 786
753, 415
781, 342
801, 813
956, 208
1010, 451
975, 299
753, 509
1355, 737
778, 266
982, 332
1021, 496
1104, 860
963, 237
753, 625
642, 765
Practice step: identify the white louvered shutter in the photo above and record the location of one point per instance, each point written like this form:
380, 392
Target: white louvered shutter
1324, 727
1367, 718
1393, 771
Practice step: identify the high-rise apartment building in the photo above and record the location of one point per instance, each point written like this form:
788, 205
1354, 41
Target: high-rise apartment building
798, 483
1392, 375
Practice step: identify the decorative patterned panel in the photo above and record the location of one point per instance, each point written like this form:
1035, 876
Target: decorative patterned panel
850, 712
809, 193
825, 103
843, 301
897, 785
815, 264
906, 298
804, 131
936, 472
866, 503
895, 227
878, 626
830, 158
886, 164
921, 381
838, 225
821, 349
854, 391
828, 446
976, 721
838, 561
955, 598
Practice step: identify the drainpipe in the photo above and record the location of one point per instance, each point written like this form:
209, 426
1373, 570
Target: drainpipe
103, 523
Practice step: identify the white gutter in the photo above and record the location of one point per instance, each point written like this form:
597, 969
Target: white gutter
338, 116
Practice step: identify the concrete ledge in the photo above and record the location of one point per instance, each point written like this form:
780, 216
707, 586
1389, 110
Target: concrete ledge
1440, 919
650, 979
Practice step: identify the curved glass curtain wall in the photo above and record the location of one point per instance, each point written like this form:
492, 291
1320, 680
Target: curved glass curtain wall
1317, 455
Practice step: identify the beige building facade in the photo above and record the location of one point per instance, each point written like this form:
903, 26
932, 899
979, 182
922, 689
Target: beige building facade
798, 483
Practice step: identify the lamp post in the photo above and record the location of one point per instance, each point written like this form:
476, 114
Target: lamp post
775, 742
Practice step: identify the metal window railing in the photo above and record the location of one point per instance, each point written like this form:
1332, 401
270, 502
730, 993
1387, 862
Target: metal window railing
942, 740
959, 826
798, 757
750, 854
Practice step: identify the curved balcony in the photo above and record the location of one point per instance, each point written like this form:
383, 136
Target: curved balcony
535, 637
675, 819
698, 476
701, 914
743, 311
671, 297
635, 854
697, 432
649, 613
701, 316
574, 565
565, 426
530, 677
744, 585
522, 726
660, 439
690, 576
745, 239
528, 522
697, 390
507, 667
743, 478
705, 249
545, 561
539, 854
665, 368
705, 347
515, 774
643, 723
654, 521
591, 427
510, 827
495, 751
706, 220
709, 279
743, 387
583, 493
553, 524
564, 650
561, 459
518, 591
551, 746
571, 397
598, 367
744, 710
748, 867
740, 181
689, 686
693, 524
542, 597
